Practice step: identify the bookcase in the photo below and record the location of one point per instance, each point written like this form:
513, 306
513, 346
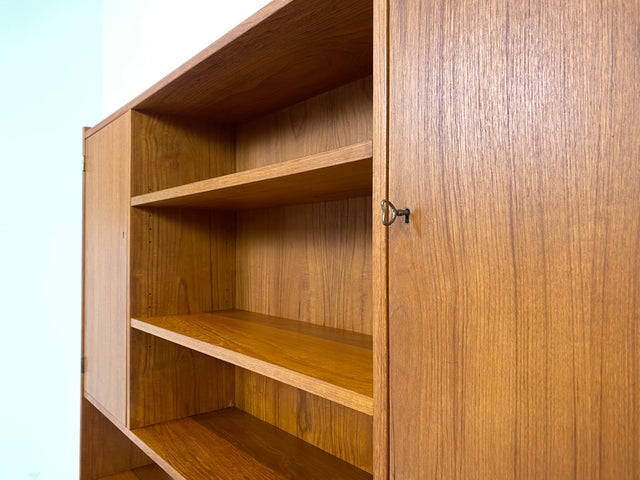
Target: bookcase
228, 312
246, 313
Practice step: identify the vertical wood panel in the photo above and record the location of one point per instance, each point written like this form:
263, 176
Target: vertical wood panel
105, 450
170, 382
308, 262
343, 432
107, 179
334, 119
170, 151
380, 243
513, 294
183, 261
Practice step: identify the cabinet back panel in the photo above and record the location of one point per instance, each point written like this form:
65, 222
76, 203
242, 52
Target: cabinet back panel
343, 432
169, 381
170, 151
307, 262
331, 120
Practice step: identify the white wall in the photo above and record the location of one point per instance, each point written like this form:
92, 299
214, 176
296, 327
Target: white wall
51, 54
144, 40
50, 87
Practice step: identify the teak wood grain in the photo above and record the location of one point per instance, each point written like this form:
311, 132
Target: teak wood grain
231, 444
181, 261
344, 172
514, 314
169, 151
380, 242
275, 58
106, 250
307, 262
105, 450
303, 356
336, 429
338, 118
169, 381
150, 472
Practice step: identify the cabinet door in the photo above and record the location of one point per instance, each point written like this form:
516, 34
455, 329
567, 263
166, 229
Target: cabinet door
106, 233
514, 291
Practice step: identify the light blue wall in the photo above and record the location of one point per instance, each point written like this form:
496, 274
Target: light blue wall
50, 86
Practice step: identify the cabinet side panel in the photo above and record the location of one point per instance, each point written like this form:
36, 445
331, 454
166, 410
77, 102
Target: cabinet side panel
334, 119
169, 381
105, 450
343, 432
170, 151
182, 261
105, 268
308, 262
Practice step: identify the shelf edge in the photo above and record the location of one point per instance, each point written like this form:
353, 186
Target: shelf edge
343, 396
288, 168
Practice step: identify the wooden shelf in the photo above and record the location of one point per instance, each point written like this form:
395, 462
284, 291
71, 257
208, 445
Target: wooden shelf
230, 444
150, 472
340, 173
331, 363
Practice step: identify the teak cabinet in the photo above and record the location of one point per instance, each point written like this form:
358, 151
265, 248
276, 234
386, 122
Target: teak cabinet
246, 314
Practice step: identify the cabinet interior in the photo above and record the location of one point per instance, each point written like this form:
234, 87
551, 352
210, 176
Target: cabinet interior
300, 261
109, 454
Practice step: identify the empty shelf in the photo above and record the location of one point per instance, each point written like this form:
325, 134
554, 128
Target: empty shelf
344, 172
331, 363
230, 444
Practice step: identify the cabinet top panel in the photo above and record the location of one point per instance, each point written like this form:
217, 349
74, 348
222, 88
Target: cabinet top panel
288, 51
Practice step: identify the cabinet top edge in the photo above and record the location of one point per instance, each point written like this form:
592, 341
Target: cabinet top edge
300, 24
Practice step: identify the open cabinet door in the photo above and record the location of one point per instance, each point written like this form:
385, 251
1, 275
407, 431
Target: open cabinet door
514, 291
106, 240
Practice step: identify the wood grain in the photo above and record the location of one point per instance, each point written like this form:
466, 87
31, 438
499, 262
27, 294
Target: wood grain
104, 449
303, 356
170, 151
336, 429
181, 261
514, 340
380, 241
150, 472
275, 58
106, 247
334, 119
344, 172
230, 444
169, 381
310, 263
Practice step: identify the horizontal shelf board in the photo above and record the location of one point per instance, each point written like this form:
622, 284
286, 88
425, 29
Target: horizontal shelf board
150, 472
230, 444
287, 51
339, 173
331, 363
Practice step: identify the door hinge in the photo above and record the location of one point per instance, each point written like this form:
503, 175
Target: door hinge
81, 364
84, 163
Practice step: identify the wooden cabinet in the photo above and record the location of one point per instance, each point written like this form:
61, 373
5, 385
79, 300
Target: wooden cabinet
248, 315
